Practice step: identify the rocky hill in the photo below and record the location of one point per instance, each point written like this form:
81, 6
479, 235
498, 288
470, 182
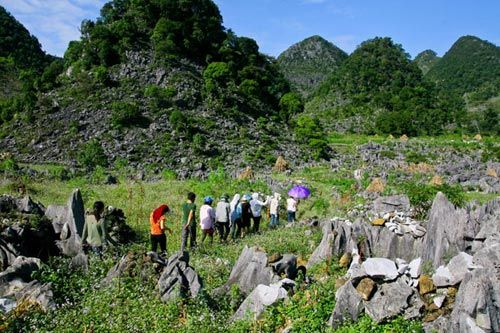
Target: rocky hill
472, 65
309, 62
156, 97
17, 43
426, 60
378, 89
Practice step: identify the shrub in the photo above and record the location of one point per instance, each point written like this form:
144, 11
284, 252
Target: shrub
125, 114
92, 155
421, 195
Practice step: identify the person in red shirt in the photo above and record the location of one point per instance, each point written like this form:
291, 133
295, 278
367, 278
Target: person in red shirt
158, 227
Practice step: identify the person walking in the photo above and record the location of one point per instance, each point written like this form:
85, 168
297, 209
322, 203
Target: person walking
256, 207
189, 222
235, 215
157, 221
246, 214
291, 209
95, 234
222, 218
274, 205
207, 219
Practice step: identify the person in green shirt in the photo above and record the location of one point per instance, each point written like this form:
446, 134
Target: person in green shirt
189, 222
95, 234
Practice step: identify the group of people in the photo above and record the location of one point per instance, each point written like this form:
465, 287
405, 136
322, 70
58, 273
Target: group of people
228, 218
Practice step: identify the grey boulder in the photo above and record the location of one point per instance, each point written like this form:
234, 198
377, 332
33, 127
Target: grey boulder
258, 300
390, 300
348, 306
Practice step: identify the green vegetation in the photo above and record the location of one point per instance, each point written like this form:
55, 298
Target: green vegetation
426, 60
309, 62
470, 65
125, 114
92, 155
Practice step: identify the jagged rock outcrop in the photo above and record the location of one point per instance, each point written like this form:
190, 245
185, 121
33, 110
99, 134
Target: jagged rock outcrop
17, 285
178, 279
250, 270
68, 222
24, 230
260, 298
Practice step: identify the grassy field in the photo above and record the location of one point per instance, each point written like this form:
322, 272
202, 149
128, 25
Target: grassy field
132, 304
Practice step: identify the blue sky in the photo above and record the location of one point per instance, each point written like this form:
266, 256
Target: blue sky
277, 24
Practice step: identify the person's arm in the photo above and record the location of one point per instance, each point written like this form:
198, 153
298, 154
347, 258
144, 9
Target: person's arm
190, 218
107, 237
228, 213
163, 226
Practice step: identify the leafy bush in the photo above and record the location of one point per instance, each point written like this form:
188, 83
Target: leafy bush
290, 104
311, 134
161, 98
422, 195
125, 114
92, 155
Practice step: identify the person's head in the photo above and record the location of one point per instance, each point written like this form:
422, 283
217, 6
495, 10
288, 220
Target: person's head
98, 208
191, 196
208, 200
255, 196
224, 198
165, 210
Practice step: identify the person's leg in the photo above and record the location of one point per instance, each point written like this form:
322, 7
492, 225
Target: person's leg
293, 216
154, 243
203, 235
184, 238
225, 230
220, 230
211, 235
271, 220
163, 243
289, 216
256, 223
193, 236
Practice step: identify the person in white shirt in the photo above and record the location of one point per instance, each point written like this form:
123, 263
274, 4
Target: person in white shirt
274, 207
256, 207
291, 209
222, 218
207, 219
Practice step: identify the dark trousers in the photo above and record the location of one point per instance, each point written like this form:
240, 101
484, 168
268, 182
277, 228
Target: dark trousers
188, 233
222, 229
291, 216
256, 223
161, 240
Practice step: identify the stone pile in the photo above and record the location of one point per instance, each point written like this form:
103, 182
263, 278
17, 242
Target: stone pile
401, 223
17, 286
263, 280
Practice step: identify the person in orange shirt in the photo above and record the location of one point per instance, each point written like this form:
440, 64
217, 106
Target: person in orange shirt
158, 227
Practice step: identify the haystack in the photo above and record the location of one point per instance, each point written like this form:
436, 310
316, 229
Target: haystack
421, 167
492, 173
281, 164
478, 137
403, 138
436, 181
376, 186
247, 174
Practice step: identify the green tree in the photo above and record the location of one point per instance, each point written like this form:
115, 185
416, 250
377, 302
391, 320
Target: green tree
92, 155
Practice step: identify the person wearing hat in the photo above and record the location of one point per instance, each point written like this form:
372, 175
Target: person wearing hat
207, 219
222, 213
246, 214
256, 206
158, 227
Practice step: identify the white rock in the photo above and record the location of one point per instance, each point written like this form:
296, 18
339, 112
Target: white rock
402, 269
443, 277
414, 268
439, 300
459, 265
380, 268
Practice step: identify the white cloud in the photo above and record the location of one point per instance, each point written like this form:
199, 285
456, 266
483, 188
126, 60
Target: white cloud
54, 22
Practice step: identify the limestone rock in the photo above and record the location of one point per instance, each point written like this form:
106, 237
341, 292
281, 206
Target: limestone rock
366, 287
425, 285
380, 268
443, 277
390, 300
378, 222
345, 260
68, 222
178, 279
349, 305
258, 300
249, 271
391, 203
287, 265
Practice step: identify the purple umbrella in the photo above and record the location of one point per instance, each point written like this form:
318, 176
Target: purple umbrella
299, 192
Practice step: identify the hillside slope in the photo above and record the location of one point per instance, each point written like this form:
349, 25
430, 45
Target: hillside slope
425, 60
307, 63
147, 87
